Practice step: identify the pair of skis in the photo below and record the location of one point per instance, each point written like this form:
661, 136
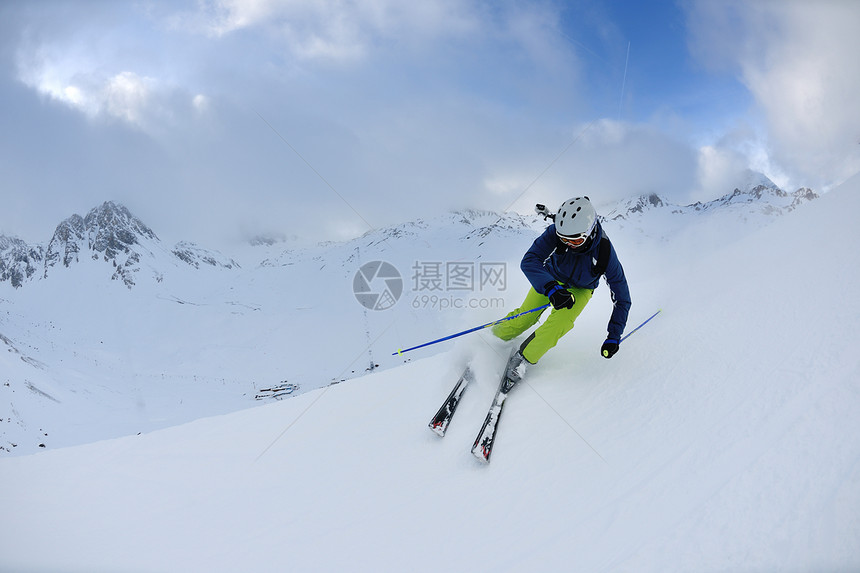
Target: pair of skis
483, 445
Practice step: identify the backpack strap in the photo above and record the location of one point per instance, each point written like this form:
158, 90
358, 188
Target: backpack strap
604, 249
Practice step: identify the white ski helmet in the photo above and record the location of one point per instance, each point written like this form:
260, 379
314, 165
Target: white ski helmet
576, 220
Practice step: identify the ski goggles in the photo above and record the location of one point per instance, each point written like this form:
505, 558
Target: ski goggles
574, 241
578, 239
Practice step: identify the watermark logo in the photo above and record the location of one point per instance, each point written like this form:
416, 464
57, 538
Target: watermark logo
377, 285
448, 276
436, 285
445, 285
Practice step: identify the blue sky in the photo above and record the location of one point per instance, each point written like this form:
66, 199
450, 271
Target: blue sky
215, 120
661, 75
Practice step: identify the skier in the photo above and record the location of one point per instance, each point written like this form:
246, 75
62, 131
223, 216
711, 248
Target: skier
564, 266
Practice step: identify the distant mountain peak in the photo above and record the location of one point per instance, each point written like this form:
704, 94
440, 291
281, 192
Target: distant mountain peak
112, 229
753, 179
194, 255
109, 233
65, 246
18, 260
638, 204
267, 239
757, 195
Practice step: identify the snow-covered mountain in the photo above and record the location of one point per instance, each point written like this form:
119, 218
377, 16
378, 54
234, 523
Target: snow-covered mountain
108, 233
111, 234
755, 203
18, 260
722, 436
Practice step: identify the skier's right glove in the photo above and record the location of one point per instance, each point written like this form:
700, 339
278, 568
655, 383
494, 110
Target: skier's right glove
609, 348
559, 297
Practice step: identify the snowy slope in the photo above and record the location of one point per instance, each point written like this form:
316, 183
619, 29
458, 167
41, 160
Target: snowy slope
723, 436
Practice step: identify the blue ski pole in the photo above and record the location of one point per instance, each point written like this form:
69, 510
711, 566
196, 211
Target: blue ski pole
495, 322
626, 336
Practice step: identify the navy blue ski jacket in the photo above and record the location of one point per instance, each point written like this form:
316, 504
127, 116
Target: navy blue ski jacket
549, 260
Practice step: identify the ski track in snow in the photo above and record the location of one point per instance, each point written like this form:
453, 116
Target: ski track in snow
722, 437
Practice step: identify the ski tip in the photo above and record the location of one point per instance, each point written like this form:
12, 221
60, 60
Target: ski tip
438, 430
480, 456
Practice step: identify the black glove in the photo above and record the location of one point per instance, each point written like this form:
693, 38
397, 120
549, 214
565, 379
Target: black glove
559, 297
609, 348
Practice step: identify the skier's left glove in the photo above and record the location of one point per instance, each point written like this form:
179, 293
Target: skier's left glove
559, 297
609, 348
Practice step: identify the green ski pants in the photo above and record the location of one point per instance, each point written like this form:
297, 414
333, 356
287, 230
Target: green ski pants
550, 332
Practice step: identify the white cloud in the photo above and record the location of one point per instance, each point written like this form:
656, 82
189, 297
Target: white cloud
330, 29
126, 96
201, 103
608, 161
73, 95
725, 163
799, 60
49, 78
718, 170
84, 85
